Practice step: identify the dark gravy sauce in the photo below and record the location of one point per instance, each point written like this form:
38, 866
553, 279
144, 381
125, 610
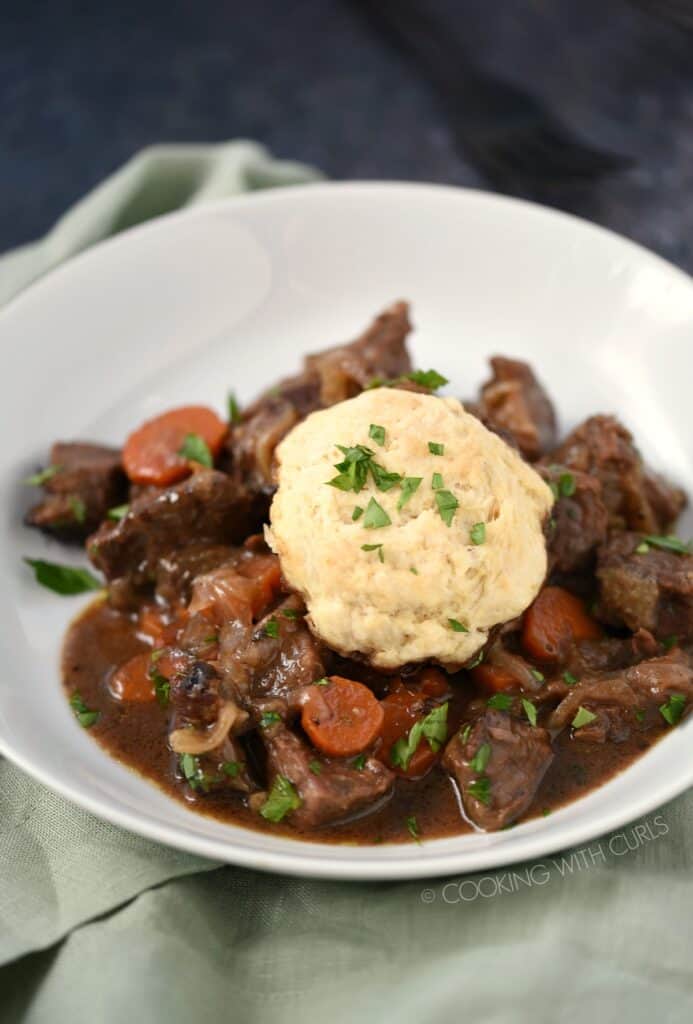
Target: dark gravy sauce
135, 734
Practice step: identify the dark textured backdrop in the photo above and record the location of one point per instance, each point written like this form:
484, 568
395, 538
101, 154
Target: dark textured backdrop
84, 85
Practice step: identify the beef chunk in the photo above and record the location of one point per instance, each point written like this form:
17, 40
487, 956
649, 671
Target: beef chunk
580, 520
338, 791
635, 499
208, 506
195, 695
268, 669
176, 571
652, 590
328, 377
520, 755
514, 402
617, 696
89, 481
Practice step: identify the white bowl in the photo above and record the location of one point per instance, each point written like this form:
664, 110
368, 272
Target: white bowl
231, 296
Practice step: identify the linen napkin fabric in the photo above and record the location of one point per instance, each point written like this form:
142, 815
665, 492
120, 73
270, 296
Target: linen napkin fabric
98, 925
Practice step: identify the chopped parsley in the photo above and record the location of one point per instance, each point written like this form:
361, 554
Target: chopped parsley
480, 789
530, 711
63, 579
353, 469
357, 513
428, 379
447, 506
315, 767
570, 679
234, 409
162, 686
231, 768
290, 613
481, 758
374, 547
377, 433
272, 628
414, 570
322, 682
436, 482
539, 676
409, 485
546, 812
642, 548
582, 717
282, 799
383, 480
79, 509
196, 777
476, 660
376, 517
43, 476
413, 827
457, 627
434, 728
269, 718
669, 543
500, 701
477, 534
640, 715
118, 512
84, 715
673, 709
566, 485
360, 762
196, 449
464, 733
435, 448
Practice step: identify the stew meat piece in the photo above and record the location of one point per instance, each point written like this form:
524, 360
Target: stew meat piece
618, 699
207, 507
634, 498
580, 520
327, 378
520, 755
88, 482
515, 403
650, 590
329, 790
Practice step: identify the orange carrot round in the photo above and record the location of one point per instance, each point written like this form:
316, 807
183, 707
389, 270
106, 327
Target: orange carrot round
556, 620
494, 679
342, 718
132, 682
152, 453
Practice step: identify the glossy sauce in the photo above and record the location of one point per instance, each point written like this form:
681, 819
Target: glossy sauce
135, 733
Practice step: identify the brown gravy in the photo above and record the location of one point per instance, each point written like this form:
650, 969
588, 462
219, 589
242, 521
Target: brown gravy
136, 734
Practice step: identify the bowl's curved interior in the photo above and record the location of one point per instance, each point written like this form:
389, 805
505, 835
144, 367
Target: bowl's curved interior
231, 296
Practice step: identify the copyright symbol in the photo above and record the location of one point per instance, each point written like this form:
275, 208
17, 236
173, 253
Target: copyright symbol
427, 895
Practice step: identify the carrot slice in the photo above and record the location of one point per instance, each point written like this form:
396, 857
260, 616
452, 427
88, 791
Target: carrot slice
556, 620
342, 718
152, 452
132, 681
493, 679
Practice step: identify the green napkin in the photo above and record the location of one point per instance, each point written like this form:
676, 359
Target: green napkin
98, 926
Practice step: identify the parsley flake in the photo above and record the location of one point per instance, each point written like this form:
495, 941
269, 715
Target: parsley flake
583, 717
539, 676
377, 433
570, 679
79, 509
269, 718
43, 476
480, 789
231, 768
282, 799
272, 628
357, 513
196, 449
375, 517
481, 758
477, 534
233, 408
673, 709
63, 579
457, 627
409, 485
530, 710
447, 505
434, 728
500, 701
436, 481
84, 715
360, 762
435, 448
428, 379
669, 543
375, 547
118, 512
413, 827
315, 767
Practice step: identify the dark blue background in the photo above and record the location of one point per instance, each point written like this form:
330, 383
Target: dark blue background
84, 85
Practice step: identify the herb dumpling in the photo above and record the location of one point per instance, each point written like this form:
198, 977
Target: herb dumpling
408, 527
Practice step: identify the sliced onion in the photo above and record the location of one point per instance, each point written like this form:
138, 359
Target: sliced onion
201, 741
